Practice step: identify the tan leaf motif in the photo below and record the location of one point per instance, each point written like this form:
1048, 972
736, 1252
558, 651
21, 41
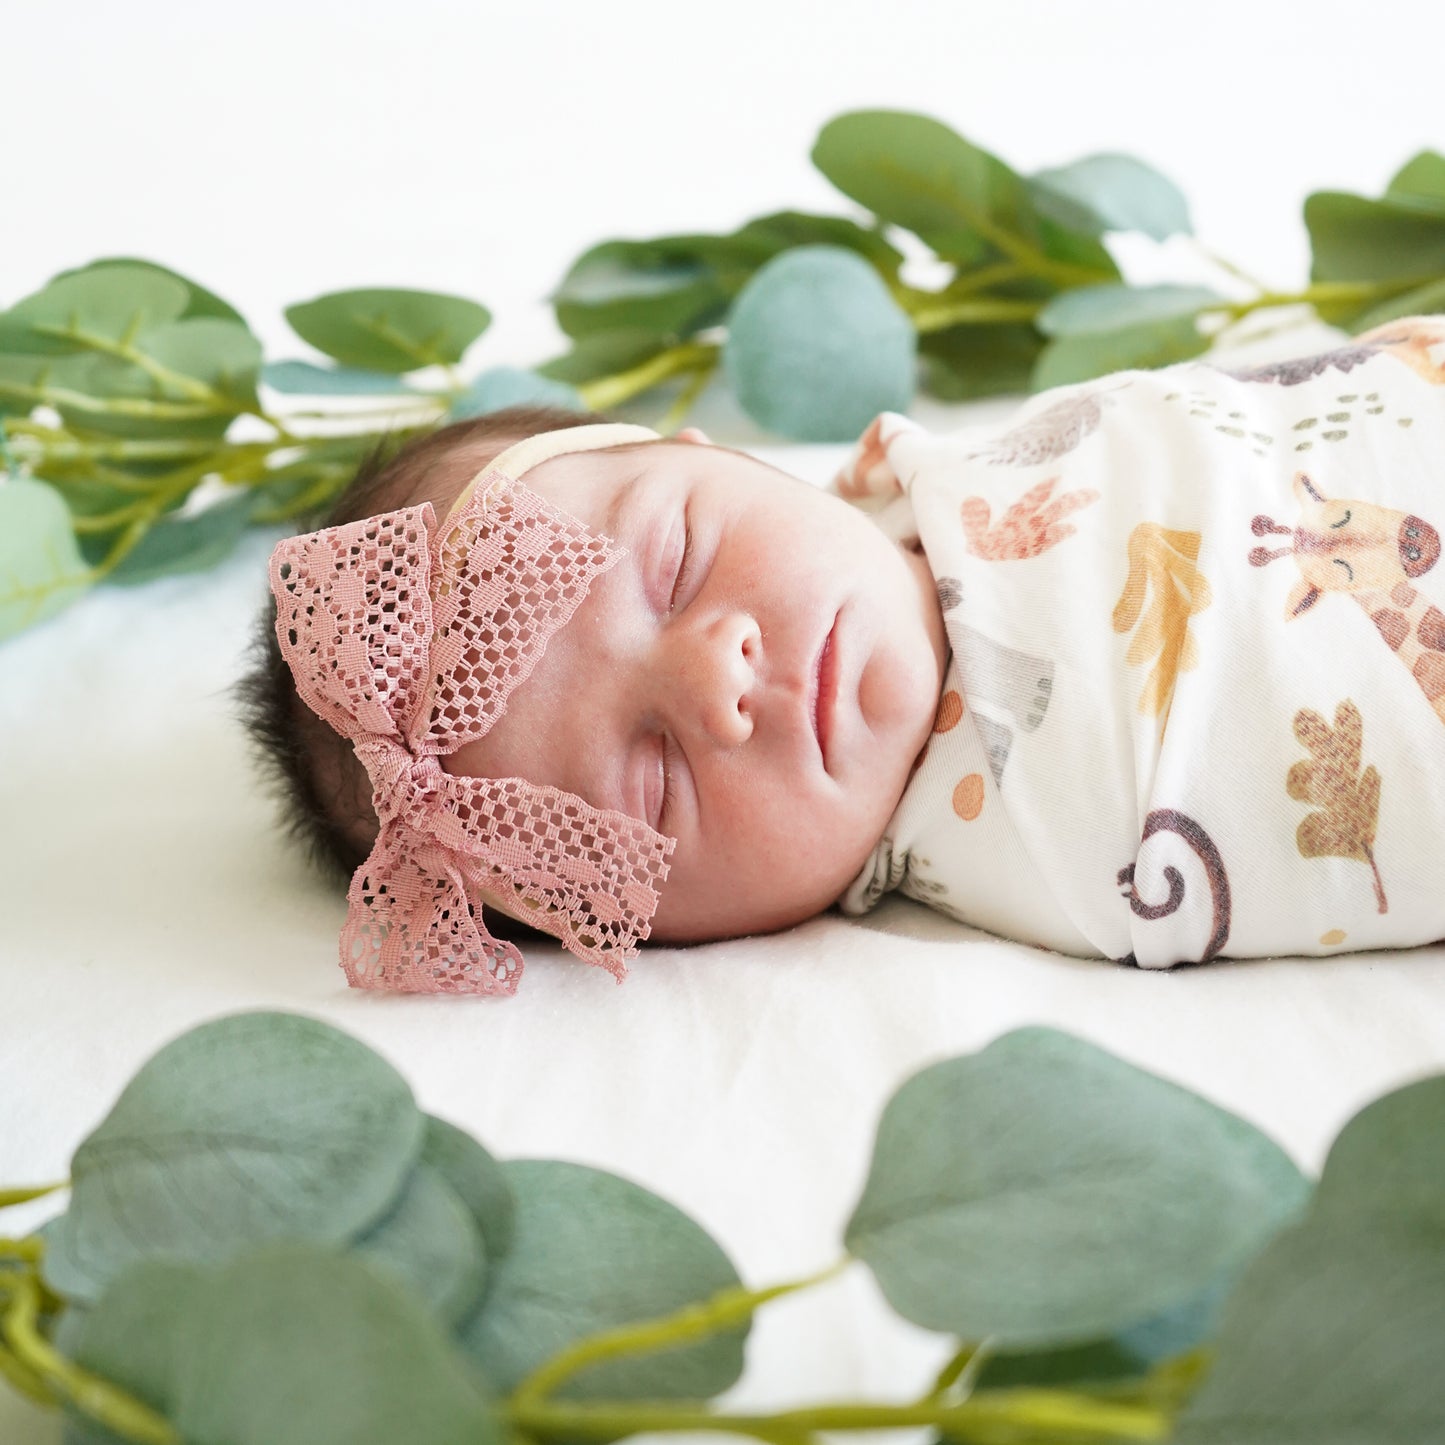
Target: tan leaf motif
1032, 525
1161, 571
1348, 800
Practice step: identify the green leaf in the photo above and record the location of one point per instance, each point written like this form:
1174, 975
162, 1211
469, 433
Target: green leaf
782, 230
1111, 192
1088, 309
199, 302
1354, 239
667, 286
429, 1240
243, 1129
593, 1251
112, 303
1070, 359
962, 363
478, 1180
41, 569
290, 1345
1045, 1193
1420, 182
913, 171
1425, 301
504, 386
1387, 1162
22, 382
817, 346
175, 545
607, 353
305, 379
1334, 1337
389, 330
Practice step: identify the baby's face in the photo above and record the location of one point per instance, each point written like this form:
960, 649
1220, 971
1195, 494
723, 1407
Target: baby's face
709, 669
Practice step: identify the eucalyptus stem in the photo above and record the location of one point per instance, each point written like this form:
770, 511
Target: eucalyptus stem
25, 1195
689, 394
609, 391
961, 1371
91, 1394
727, 1307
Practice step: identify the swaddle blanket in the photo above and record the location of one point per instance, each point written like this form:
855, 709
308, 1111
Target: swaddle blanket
1195, 702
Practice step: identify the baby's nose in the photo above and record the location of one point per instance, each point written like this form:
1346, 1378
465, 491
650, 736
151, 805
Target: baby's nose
719, 675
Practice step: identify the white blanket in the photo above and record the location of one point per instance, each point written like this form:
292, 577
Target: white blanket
144, 889
1196, 699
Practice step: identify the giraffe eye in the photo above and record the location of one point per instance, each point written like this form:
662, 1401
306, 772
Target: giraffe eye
1340, 562
1342, 520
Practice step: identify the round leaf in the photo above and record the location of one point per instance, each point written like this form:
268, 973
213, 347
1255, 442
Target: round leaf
1334, 1337
504, 386
1110, 307
1355, 239
243, 1129
1071, 359
429, 1241
962, 363
1110, 192
110, 302
478, 1180
593, 1251
200, 302
41, 569
390, 330
302, 378
1420, 182
667, 286
1043, 1192
817, 347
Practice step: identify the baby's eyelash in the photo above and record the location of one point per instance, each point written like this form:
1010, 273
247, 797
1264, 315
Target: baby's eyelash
667, 789
683, 566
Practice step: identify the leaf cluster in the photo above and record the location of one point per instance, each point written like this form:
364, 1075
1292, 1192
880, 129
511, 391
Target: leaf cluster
268, 1242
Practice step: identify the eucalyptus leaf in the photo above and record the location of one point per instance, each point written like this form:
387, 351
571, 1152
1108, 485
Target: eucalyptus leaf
389, 329
243, 1129
1355, 239
915, 172
176, 545
505, 386
1424, 301
1110, 307
303, 378
782, 230
109, 304
24, 380
962, 363
1111, 192
817, 346
478, 1180
605, 353
1334, 1337
593, 1251
1044, 1193
1420, 182
199, 301
1069, 359
41, 569
430, 1241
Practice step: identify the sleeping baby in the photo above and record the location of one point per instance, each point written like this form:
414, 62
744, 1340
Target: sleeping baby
1153, 672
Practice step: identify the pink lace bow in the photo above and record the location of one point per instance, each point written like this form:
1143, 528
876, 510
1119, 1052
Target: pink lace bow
408, 640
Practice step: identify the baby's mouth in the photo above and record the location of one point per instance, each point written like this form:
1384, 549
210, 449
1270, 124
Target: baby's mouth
825, 692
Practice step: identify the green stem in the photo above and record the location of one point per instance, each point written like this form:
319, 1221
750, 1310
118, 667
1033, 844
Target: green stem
90, 1394
610, 391
960, 1372
23, 1196
1060, 1414
981, 312
689, 394
727, 1307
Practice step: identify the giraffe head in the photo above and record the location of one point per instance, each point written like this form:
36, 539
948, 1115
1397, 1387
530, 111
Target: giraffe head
1347, 545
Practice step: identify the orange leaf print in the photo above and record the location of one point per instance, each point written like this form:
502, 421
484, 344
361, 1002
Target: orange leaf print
1161, 570
1032, 525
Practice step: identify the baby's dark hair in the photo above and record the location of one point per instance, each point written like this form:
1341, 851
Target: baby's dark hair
313, 772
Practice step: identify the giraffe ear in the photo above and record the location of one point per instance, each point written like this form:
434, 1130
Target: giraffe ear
1302, 596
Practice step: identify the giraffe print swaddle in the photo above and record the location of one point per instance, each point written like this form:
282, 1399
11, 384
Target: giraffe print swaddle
1195, 702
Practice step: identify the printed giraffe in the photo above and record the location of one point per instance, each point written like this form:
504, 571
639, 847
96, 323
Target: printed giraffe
1413, 340
1372, 554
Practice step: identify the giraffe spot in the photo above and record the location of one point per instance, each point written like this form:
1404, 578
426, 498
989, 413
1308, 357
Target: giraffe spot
968, 797
1394, 627
1334, 936
1403, 595
1431, 630
1429, 672
950, 709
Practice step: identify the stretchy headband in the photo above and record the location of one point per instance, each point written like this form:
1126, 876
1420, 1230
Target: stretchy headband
408, 639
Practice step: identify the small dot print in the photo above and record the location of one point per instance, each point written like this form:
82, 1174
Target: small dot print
1236, 416
1260, 436
1404, 421
1306, 424
1334, 436
1374, 410
1372, 396
1303, 446
1334, 936
968, 797
1353, 396
1230, 431
1338, 416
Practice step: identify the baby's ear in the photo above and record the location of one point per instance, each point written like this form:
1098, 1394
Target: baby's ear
693, 434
